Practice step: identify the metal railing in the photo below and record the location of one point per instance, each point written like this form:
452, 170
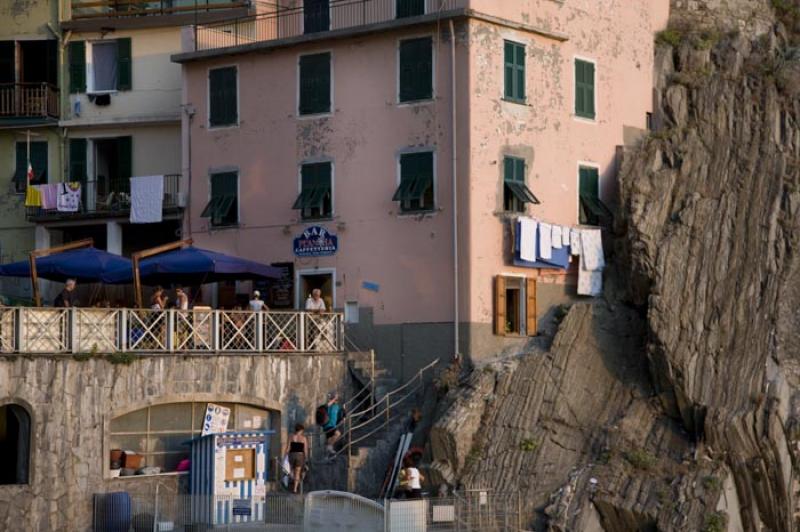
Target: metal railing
108, 197
464, 511
88, 331
281, 22
362, 424
136, 8
28, 100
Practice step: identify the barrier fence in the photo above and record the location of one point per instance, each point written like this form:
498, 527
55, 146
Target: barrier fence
28, 330
468, 511
276, 22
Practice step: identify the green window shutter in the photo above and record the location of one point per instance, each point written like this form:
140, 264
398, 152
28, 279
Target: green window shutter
124, 165
416, 69
224, 196
584, 89
514, 169
20, 175
514, 71
77, 66
222, 94
315, 200
39, 162
315, 84
77, 160
416, 182
589, 182
409, 8
124, 77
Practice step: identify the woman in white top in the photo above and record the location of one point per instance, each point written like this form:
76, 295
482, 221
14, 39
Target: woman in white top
315, 303
181, 299
414, 480
256, 304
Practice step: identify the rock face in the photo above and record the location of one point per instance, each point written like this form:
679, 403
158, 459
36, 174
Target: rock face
679, 394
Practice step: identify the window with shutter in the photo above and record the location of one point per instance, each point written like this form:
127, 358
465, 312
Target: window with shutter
124, 56
77, 66
223, 206
77, 160
500, 305
415, 192
514, 72
514, 306
416, 69
515, 192
315, 84
223, 107
38, 158
316, 16
105, 62
584, 89
316, 192
531, 327
592, 210
409, 8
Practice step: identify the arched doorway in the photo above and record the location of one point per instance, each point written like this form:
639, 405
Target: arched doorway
15, 440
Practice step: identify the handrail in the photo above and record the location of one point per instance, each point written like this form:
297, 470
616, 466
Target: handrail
384, 407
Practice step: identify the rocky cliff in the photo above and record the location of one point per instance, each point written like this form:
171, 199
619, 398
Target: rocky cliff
672, 404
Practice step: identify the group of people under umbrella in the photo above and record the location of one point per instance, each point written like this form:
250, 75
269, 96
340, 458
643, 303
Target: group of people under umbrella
188, 266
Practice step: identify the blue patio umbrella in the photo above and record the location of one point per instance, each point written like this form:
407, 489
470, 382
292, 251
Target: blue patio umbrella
87, 265
194, 266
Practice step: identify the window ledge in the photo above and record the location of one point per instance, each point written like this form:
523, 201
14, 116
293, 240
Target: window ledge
419, 214
213, 228
222, 127
514, 101
412, 103
585, 119
508, 215
327, 114
100, 93
316, 220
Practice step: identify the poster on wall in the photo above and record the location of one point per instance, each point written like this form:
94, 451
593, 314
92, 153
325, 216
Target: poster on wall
216, 419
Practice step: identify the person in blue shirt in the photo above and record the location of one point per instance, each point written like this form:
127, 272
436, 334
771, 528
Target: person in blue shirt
335, 415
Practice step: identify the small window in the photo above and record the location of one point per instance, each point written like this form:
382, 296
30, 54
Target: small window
592, 211
515, 306
160, 432
409, 8
415, 192
316, 198
110, 66
515, 192
15, 444
223, 207
416, 69
315, 84
351, 312
514, 70
38, 160
223, 107
584, 89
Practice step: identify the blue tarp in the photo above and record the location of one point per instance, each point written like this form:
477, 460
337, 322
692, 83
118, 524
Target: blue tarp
559, 258
194, 266
87, 265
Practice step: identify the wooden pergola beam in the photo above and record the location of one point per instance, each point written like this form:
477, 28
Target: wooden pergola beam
36, 253
145, 253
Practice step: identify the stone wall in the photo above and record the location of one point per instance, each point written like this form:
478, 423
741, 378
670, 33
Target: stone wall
752, 17
71, 403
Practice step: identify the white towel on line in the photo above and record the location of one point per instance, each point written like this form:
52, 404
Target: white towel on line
575, 241
527, 239
592, 249
147, 199
590, 282
545, 241
565, 231
556, 237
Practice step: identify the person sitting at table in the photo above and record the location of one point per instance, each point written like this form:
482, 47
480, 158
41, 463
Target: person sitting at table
159, 300
67, 297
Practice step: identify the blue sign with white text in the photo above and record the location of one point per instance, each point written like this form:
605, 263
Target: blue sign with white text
316, 241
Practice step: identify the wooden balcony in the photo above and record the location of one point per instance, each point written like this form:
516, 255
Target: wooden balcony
28, 100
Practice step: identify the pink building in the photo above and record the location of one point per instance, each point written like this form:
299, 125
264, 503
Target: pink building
363, 117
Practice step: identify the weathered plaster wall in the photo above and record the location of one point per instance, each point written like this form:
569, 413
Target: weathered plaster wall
156, 90
618, 36
71, 403
27, 18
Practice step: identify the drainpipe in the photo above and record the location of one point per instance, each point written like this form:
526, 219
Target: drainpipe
456, 353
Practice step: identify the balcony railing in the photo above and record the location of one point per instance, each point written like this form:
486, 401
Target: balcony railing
28, 100
137, 8
109, 198
282, 23
96, 331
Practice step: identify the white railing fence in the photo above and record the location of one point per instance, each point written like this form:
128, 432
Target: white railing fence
29, 330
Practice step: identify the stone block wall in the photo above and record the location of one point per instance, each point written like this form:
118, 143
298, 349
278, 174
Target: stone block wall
71, 403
